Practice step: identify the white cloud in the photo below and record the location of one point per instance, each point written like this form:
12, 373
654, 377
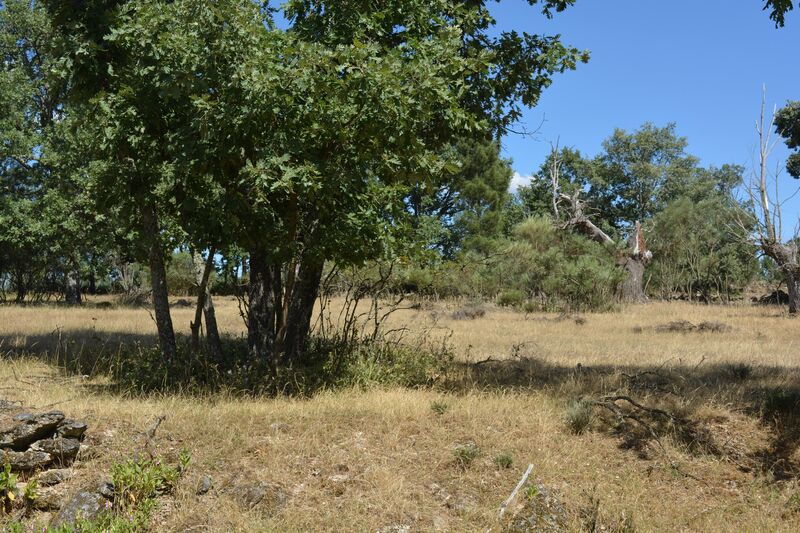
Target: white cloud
518, 180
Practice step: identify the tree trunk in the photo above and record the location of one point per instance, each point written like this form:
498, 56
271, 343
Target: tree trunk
212, 332
301, 309
72, 290
792, 282
261, 309
22, 290
158, 283
202, 270
632, 288
92, 282
205, 305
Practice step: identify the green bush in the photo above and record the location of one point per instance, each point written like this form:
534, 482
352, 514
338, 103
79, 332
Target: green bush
511, 298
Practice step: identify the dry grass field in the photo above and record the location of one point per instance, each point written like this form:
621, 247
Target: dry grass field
437, 459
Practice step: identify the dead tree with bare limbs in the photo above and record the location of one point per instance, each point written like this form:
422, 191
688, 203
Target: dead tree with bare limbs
633, 259
767, 210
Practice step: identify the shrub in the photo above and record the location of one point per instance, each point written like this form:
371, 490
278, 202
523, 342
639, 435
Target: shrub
466, 453
470, 312
504, 460
511, 298
439, 407
579, 415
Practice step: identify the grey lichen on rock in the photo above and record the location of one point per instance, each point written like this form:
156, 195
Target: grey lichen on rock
85, 505
62, 450
25, 461
24, 429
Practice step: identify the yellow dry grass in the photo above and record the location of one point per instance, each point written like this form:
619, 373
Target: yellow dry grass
397, 452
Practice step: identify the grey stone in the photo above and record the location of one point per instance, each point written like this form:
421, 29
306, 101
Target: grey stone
263, 495
206, 484
54, 477
106, 488
26, 429
85, 505
71, 429
63, 451
48, 499
25, 461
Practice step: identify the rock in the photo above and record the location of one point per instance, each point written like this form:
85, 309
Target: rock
48, 499
5, 405
266, 495
25, 461
54, 477
26, 429
71, 429
62, 450
85, 505
206, 484
106, 488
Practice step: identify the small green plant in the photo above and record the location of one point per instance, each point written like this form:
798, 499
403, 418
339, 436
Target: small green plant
466, 454
8, 489
579, 415
531, 492
142, 479
504, 460
439, 407
184, 458
31, 492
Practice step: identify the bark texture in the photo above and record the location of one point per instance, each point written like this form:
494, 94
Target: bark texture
301, 308
158, 284
261, 308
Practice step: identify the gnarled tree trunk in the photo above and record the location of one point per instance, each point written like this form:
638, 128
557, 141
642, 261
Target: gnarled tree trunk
792, 282
205, 306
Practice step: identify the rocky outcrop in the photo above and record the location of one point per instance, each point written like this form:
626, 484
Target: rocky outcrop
31, 442
24, 429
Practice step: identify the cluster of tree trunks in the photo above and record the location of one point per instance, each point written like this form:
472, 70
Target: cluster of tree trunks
281, 299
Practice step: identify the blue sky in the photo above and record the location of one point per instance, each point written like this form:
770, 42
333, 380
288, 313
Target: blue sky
700, 64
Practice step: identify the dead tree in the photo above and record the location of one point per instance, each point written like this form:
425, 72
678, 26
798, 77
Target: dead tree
633, 259
768, 217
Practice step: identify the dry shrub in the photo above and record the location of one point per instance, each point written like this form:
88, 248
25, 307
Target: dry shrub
684, 326
470, 312
134, 298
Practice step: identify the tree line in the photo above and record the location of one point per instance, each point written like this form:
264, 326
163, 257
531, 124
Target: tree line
354, 132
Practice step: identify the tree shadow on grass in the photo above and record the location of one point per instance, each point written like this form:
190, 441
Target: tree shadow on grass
666, 400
